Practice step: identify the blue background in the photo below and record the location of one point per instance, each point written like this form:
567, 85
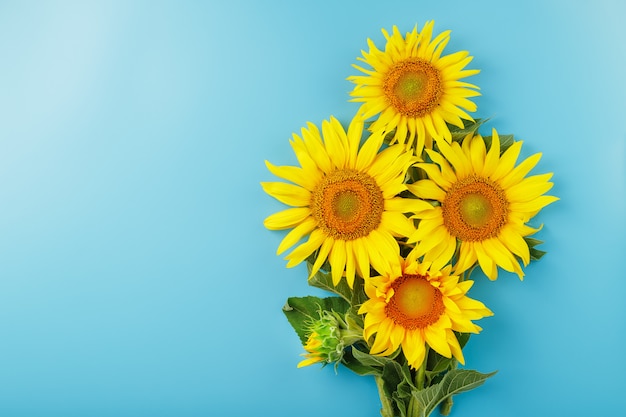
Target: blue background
136, 278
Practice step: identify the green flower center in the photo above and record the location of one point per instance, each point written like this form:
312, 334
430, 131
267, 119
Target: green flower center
410, 86
415, 303
474, 209
413, 87
347, 204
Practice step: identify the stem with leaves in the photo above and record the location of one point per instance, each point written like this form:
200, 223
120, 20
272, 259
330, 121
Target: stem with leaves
387, 410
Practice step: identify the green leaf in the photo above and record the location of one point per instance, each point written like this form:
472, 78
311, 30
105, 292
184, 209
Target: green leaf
398, 380
505, 142
468, 127
301, 311
463, 338
371, 360
356, 366
454, 382
438, 363
324, 281
535, 254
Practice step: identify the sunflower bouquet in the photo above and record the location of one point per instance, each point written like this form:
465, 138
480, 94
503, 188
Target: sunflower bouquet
393, 213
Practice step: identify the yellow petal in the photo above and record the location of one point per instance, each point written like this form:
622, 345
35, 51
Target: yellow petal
529, 188
301, 252
337, 259
368, 151
455, 348
362, 258
322, 254
296, 234
532, 206
306, 179
414, 349
515, 243
436, 339
353, 139
427, 189
434, 174
520, 171
350, 264
501, 256
493, 156
287, 219
507, 161
407, 205
486, 263
477, 153
467, 257
335, 146
315, 148
292, 195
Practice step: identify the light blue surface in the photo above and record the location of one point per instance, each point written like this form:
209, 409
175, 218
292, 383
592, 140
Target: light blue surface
136, 278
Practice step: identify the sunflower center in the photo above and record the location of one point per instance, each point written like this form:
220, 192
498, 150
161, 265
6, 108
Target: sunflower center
415, 303
413, 87
347, 204
474, 209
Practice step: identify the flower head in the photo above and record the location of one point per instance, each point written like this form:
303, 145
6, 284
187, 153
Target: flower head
418, 306
344, 198
325, 342
414, 88
483, 201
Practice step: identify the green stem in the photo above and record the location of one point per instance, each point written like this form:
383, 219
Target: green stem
467, 274
387, 410
413, 410
446, 406
421, 372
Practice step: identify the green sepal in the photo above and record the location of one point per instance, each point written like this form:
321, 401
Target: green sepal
354, 321
535, 254
301, 311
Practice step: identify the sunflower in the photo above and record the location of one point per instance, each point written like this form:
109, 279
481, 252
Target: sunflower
485, 202
315, 351
415, 89
418, 305
344, 198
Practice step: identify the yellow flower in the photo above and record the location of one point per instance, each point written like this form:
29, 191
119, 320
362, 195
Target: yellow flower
485, 203
315, 352
327, 338
344, 198
419, 305
415, 89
